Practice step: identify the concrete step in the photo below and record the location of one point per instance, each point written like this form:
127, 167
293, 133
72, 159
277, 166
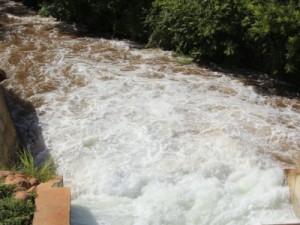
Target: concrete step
52, 205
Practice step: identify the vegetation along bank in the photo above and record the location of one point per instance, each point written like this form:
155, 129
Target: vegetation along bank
258, 34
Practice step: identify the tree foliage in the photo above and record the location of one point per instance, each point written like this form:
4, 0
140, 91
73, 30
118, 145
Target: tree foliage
122, 18
262, 34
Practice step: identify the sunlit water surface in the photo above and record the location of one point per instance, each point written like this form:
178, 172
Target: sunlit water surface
142, 139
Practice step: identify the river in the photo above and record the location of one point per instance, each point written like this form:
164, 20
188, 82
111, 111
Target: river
143, 139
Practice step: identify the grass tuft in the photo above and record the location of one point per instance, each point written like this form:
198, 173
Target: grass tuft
42, 173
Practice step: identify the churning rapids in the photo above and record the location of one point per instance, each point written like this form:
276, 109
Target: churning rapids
142, 139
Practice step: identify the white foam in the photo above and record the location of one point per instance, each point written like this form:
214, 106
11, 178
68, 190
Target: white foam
159, 152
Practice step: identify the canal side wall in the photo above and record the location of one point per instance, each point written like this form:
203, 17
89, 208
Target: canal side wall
293, 181
8, 134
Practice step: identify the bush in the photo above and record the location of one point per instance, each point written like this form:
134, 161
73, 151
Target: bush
6, 191
246, 33
207, 30
14, 212
273, 35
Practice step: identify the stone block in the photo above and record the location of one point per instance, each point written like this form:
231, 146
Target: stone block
21, 195
5, 173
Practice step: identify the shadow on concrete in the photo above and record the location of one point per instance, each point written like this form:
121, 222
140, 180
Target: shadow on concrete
82, 216
27, 125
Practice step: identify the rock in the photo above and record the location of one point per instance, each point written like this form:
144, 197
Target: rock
21, 195
32, 189
34, 182
4, 174
27, 219
2, 75
20, 189
22, 182
17, 181
23, 175
9, 180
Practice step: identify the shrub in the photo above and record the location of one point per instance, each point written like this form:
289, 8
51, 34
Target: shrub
16, 212
6, 191
204, 29
28, 166
247, 33
273, 35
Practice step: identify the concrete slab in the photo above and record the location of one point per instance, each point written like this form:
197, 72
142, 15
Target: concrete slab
53, 205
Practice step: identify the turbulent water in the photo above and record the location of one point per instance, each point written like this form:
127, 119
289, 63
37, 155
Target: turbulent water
142, 139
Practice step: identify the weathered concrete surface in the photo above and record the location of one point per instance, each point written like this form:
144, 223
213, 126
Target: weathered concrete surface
293, 180
8, 134
53, 204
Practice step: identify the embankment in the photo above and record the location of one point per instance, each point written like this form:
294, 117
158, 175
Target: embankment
8, 134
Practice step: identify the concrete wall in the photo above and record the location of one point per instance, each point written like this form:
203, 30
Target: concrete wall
8, 135
293, 181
